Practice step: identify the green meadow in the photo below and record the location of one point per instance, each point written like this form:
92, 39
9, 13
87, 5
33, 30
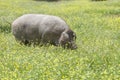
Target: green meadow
97, 26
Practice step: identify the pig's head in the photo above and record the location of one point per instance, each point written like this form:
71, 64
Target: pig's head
67, 39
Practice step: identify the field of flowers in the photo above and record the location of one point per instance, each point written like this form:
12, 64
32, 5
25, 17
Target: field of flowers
97, 26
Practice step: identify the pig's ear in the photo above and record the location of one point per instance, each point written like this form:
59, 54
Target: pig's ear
65, 36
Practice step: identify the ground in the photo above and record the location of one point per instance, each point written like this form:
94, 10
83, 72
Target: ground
97, 26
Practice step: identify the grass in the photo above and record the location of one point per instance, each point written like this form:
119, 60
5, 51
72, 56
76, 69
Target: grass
97, 25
